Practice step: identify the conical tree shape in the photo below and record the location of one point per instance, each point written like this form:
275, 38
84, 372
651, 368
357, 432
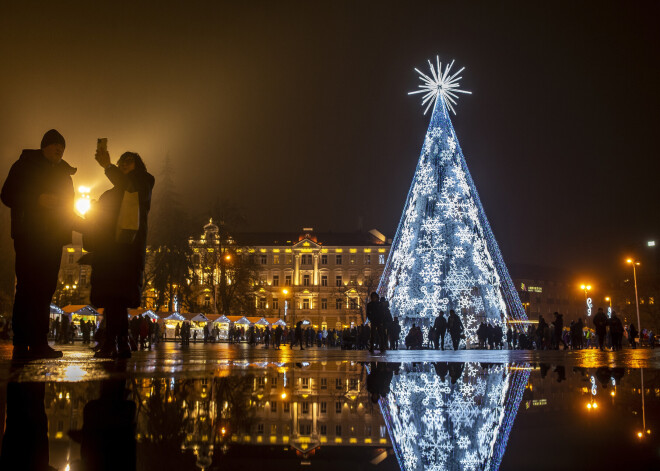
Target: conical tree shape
444, 255
452, 416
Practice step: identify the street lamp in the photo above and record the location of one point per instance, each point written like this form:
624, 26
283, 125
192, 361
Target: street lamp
586, 288
609, 309
634, 263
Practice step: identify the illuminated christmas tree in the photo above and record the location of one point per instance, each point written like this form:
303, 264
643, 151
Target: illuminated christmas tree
452, 416
444, 255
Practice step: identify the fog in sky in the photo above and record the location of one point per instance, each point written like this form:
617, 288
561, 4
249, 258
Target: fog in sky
298, 111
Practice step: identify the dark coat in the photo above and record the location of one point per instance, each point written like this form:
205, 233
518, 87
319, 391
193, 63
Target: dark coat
30, 176
374, 312
118, 268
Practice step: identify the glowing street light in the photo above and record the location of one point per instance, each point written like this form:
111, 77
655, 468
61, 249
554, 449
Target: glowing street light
608, 299
586, 288
83, 202
635, 263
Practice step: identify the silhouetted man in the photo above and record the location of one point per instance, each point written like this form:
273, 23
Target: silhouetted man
39, 191
440, 325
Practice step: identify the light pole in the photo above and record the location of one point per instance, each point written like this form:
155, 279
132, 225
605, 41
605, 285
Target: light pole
639, 324
586, 288
609, 310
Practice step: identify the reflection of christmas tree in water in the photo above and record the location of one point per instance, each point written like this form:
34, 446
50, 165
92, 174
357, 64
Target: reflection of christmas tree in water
444, 255
447, 416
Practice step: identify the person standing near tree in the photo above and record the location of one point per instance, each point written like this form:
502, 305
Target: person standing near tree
39, 191
118, 265
440, 325
374, 316
455, 328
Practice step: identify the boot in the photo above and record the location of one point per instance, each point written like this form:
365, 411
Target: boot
107, 351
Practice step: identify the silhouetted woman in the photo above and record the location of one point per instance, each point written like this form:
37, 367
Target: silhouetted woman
118, 266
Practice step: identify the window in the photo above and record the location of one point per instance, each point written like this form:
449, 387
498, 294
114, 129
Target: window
273, 406
305, 383
338, 280
324, 383
381, 259
289, 259
83, 280
324, 303
306, 279
324, 280
264, 259
324, 259
352, 259
651, 298
324, 407
276, 303
262, 303
287, 406
338, 303
353, 383
306, 429
338, 384
273, 429
273, 382
305, 407
338, 407
383, 431
353, 278
260, 429
305, 303
367, 430
287, 280
353, 303
276, 280
338, 430
70, 258
276, 259
324, 429
367, 259
338, 259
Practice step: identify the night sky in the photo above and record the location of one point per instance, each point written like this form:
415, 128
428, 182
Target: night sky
299, 113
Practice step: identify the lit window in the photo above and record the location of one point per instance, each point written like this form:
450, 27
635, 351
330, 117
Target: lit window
651, 300
276, 259
381, 259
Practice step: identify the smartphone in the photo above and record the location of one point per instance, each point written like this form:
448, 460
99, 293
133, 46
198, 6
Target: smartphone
102, 143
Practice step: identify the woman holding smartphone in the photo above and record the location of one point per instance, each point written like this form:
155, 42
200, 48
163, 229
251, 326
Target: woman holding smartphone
118, 266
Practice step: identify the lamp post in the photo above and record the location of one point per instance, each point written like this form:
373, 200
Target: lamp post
632, 262
586, 288
609, 309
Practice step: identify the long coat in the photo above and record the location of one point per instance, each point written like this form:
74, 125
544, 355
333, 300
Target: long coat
31, 175
118, 268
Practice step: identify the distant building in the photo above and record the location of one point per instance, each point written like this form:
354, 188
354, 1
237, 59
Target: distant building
321, 278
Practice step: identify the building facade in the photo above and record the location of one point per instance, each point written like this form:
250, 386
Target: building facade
322, 279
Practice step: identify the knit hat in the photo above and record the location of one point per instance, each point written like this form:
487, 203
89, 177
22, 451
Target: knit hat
52, 137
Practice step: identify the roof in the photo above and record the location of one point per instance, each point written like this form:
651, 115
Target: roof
79, 308
358, 238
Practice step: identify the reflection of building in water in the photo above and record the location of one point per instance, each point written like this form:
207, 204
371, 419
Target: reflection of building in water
304, 407
452, 416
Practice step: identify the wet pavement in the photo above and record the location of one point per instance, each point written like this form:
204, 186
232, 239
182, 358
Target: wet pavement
237, 407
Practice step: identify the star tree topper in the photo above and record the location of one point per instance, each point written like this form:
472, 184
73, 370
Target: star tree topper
439, 84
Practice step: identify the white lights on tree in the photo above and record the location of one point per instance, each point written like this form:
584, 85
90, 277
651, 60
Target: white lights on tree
439, 84
452, 416
444, 255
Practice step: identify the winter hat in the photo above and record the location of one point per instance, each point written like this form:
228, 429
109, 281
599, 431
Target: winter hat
52, 137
